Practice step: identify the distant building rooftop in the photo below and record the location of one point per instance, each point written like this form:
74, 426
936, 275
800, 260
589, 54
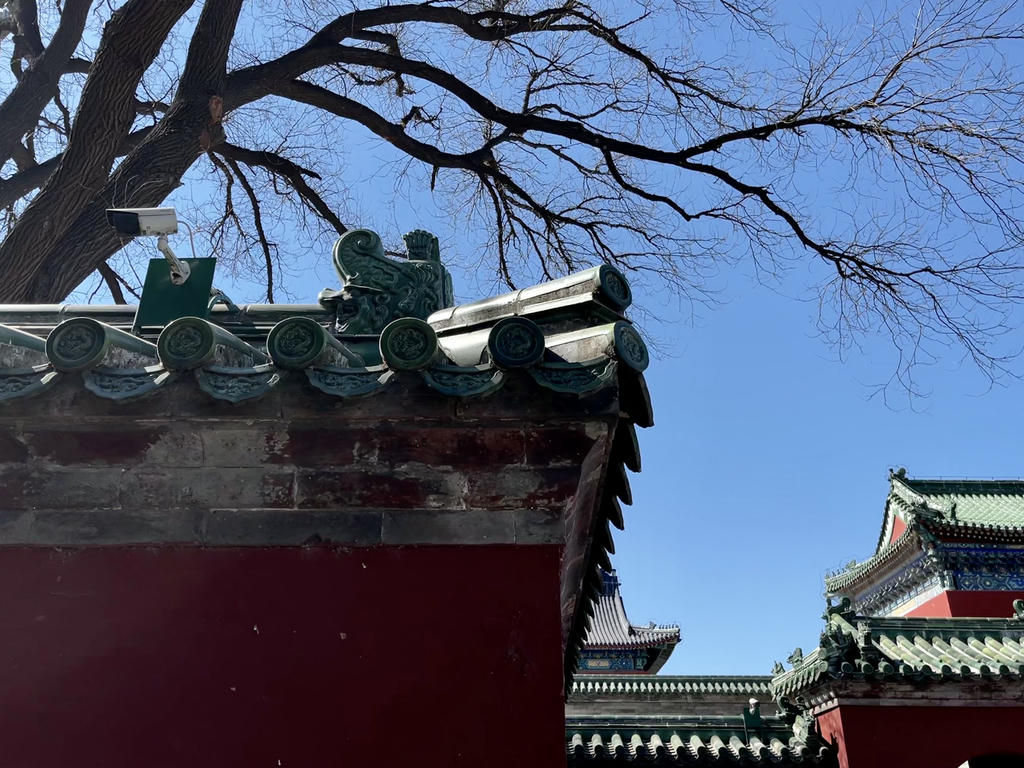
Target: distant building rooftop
613, 644
938, 534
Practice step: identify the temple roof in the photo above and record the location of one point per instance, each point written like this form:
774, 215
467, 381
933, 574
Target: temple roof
670, 686
966, 502
611, 628
920, 650
568, 337
676, 741
978, 510
676, 720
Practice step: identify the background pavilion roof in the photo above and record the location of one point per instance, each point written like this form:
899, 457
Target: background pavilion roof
611, 628
922, 650
990, 503
988, 510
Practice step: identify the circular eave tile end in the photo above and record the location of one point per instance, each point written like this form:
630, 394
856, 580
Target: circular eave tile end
296, 343
516, 342
630, 347
76, 344
185, 343
615, 288
408, 344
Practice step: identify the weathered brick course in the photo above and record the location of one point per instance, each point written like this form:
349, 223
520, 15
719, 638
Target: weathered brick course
207, 487
289, 528
296, 468
12, 449
94, 446
492, 526
560, 446
115, 526
532, 488
33, 486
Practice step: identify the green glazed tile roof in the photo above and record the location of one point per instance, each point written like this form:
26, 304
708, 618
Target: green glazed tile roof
672, 741
569, 336
670, 685
974, 509
914, 649
996, 503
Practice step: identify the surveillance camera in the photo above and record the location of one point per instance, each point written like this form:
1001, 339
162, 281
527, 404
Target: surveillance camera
143, 221
153, 221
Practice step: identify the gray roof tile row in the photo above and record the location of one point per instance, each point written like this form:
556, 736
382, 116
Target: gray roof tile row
922, 650
677, 747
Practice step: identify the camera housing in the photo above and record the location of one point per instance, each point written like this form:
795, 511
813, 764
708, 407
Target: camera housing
153, 221
143, 221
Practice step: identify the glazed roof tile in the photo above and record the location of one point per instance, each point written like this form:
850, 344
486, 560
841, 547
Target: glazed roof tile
672, 741
995, 503
670, 685
569, 336
915, 649
975, 509
612, 629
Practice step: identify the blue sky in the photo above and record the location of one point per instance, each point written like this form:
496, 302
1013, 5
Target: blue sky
767, 466
768, 462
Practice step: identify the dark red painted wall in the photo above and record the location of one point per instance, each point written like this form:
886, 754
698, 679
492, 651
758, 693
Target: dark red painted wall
433, 656
993, 603
830, 726
922, 737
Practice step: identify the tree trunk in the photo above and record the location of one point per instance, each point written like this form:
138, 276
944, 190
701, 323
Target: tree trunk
21, 109
153, 169
131, 40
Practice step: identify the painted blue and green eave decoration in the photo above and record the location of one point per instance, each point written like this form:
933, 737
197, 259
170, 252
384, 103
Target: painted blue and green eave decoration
968, 533
613, 644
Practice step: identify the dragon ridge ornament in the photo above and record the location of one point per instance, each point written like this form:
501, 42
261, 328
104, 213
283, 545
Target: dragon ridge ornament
378, 289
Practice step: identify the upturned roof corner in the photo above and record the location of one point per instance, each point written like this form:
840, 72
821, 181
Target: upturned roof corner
920, 512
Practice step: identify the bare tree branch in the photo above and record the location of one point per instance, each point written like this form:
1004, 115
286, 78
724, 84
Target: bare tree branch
130, 42
38, 84
162, 157
257, 220
113, 282
293, 173
34, 176
562, 132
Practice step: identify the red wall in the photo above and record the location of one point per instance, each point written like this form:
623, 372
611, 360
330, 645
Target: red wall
898, 527
435, 656
922, 737
961, 602
830, 725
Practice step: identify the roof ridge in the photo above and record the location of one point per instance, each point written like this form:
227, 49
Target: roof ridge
965, 480
867, 648
670, 685
981, 507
